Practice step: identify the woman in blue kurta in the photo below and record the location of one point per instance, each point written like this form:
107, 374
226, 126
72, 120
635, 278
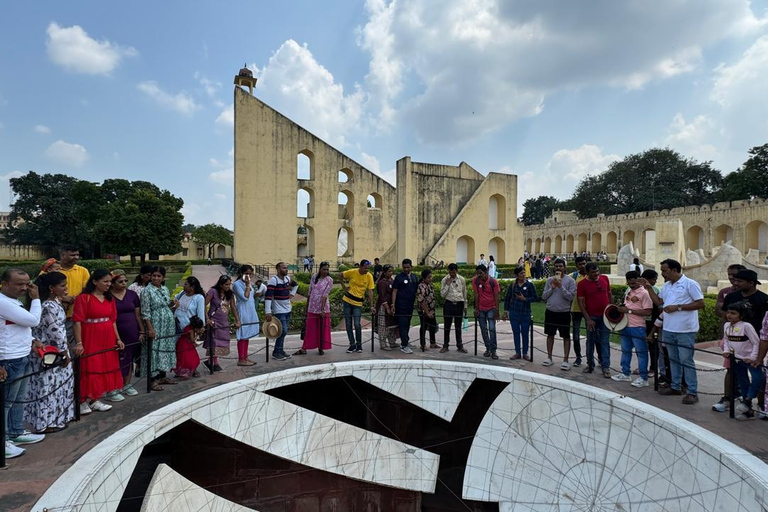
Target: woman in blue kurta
246, 309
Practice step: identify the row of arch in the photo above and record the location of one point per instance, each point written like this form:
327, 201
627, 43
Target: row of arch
755, 237
345, 242
305, 203
305, 168
465, 250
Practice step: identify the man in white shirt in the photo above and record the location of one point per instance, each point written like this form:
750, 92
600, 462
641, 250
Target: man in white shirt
682, 300
482, 261
15, 345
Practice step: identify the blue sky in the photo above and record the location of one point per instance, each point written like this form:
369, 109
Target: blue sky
547, 90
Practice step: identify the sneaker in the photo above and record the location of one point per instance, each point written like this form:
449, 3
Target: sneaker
607, 374
287, 356
114, 396
26, 437
385, 347
461, 349
690, 399
620, 377
359, 349
546, 362
84, 409
565, 366
12, 451
743, 407
493, 355
444, 350
723, 405
351, 349
487, 353
763, 415
130, 390
670, 391
577, 362
281, 357
587, 369
749, 415
640, 382
99, 406
527, 357
516, 357
406, 350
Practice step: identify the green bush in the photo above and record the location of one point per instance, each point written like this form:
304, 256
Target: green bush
709, 323
303, 289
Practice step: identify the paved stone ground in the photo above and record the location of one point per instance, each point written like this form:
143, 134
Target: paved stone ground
27, 477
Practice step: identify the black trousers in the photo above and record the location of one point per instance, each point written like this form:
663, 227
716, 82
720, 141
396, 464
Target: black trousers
454, 314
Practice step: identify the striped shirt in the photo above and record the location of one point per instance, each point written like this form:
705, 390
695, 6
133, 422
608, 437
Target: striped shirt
279, 291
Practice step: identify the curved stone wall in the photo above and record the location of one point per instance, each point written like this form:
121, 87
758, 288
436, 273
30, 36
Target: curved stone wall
544, 444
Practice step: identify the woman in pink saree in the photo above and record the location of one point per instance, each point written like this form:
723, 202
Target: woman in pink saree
318, 328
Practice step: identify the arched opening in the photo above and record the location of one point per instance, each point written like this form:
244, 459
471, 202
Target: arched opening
611, 243
465, 250
305, 241
346, 205
723, 233
345, 176
756, 236
582, 243
558, 244
597, 242
695, 238
529, 246
537, 246
569, 244
345, 243
629, 236
497, 249
305, 164
373, 201
497, 212
305, 203
547, 245
221, 252
648, 242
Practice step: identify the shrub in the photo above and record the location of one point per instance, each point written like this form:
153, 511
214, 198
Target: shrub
709, 323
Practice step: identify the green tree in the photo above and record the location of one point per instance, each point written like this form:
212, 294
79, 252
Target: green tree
751, 179
536, 209
212, 235
653, 180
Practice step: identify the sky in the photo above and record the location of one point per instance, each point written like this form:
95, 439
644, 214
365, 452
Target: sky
550, 90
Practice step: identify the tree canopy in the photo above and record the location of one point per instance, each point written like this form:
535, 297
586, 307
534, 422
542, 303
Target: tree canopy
117, 216
536, 209
751, 179
212, 235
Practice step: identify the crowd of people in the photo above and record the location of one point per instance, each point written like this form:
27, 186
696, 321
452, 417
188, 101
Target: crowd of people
117, 330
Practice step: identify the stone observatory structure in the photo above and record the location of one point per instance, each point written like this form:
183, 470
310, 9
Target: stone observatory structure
437, 212
406, 435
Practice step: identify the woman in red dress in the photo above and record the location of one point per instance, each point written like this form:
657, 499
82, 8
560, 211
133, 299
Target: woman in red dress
93, 318
187, 358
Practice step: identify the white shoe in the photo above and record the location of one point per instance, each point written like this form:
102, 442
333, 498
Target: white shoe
99, 406
114, 396
406, 350
26, 437
620, 377
84, 409
742, 407
130, 390
722, 406
565, 366
546, 362
640, 382
12, 451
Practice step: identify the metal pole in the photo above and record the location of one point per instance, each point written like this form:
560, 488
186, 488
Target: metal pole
211, 350
655, 352
76, 386
267, 349
734, 386
2, 422
476, 317
148, 369
530, 344
373, 326
320, 320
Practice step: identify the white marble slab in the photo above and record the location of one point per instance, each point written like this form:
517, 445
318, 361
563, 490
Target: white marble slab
170, 492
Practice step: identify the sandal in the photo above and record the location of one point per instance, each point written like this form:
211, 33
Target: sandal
166, 380
300, 352
157, 387
196, 373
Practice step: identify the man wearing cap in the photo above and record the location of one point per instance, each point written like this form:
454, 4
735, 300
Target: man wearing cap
746, 283
594, 294
16, 342
280, 290
360, 281
637, 306
682, 299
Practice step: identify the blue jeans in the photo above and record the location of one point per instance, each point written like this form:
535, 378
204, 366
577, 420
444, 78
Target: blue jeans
599, 339
680, 349
353, 312
488, 328
634, 337
403, 325
743, 371
521, 324
284, 318
15, 392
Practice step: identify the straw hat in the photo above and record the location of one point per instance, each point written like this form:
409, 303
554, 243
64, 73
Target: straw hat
614, 319
272, 328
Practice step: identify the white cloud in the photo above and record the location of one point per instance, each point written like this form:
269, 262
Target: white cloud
182, 102
74, 50
297, 85
575, 164
42, 129
691, 139
224, 176
227, 117
5, 190
456, 71
210, 87
372, 164
69, 155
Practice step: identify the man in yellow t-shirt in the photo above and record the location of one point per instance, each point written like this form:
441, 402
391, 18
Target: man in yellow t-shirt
576, 316
359, 280
77, 278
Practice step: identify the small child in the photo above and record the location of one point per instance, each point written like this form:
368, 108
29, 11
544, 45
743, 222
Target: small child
187, 358
741, 340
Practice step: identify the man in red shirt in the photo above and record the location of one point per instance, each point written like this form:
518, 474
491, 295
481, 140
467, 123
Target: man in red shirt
486, 291
594, 294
